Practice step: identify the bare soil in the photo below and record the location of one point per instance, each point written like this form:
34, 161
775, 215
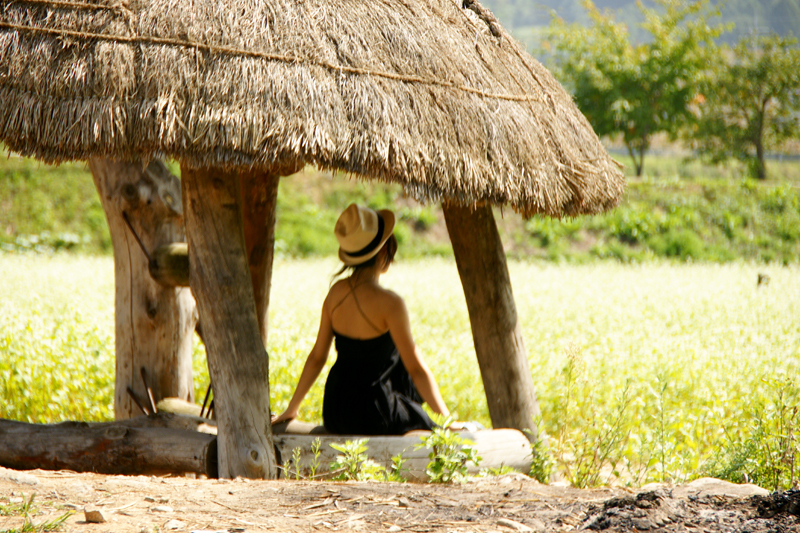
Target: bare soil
506, 503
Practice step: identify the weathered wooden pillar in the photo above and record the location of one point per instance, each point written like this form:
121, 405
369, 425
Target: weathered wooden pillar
496, 332
154, 323
237, 359
259, 203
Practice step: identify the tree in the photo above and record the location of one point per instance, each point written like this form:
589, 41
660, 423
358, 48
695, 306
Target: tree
750, 103
634, 90
154, 321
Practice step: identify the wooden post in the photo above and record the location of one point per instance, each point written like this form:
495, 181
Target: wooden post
154, 323
222, 286
496, 333
259, 203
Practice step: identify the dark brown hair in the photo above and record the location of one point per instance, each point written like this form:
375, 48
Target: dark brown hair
391, 249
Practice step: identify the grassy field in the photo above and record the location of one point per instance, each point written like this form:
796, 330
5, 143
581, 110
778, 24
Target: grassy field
645, 372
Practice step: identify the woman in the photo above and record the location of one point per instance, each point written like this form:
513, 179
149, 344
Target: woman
379, 379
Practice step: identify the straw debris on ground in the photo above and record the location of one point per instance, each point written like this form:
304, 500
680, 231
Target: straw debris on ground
506, 503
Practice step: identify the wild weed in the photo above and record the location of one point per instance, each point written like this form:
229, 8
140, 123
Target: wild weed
497, 471
296, 460
315, 449
767, 452
541, 458
449, 453
395, 472
27, 509
587, 439
354, 464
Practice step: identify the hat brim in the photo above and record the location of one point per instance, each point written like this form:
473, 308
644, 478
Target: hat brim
388, 229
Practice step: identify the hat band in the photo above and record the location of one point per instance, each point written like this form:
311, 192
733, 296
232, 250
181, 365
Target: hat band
373, 244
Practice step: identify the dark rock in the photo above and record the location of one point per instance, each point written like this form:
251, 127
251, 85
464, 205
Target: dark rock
787, 502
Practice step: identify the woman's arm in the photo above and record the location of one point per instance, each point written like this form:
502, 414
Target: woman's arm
400, 328
312, 368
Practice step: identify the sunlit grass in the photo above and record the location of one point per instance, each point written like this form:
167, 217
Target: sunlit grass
660, 363
56, 338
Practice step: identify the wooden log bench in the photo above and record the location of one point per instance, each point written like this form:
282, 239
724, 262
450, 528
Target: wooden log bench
496, 447
169, 443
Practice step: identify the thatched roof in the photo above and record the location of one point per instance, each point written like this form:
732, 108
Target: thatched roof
431, 94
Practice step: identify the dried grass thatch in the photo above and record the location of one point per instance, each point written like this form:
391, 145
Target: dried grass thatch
431, 94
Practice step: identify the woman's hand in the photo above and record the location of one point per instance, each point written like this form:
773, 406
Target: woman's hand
472, 427
283, 417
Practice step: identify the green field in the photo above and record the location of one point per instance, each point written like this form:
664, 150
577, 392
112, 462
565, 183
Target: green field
655, 371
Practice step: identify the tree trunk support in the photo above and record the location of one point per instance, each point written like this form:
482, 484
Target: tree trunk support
154, 323
222, 286
259, 204
496, 332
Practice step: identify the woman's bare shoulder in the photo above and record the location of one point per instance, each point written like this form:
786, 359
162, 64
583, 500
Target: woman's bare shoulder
336, 292
339, 285
392, 300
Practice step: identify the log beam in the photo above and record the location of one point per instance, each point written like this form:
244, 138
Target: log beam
496, 331
154, 323
107, 448
237, 360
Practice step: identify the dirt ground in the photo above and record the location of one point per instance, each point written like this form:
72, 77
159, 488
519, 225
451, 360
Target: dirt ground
506, 503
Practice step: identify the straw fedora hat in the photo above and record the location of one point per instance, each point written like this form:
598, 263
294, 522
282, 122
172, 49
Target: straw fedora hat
361, 233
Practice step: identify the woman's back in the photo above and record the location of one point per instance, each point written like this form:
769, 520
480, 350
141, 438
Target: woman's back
359, 310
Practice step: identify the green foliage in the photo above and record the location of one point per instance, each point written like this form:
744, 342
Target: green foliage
16, 508
449, 453
354, 464
310, 202
287, 468
541, 461
56, 348
27, 509
501, 470
315, 450
397, 469
541, 458
750, 103
639, 90
764, 449
701, 220
587, 441
296, 460
49, 208
525, 20
656, 219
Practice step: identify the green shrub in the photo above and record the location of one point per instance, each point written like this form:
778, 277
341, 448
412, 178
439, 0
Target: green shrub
50, 208
354, 464
449, 453
765, 449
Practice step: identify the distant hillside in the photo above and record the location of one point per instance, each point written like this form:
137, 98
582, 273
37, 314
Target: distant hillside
525, 18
